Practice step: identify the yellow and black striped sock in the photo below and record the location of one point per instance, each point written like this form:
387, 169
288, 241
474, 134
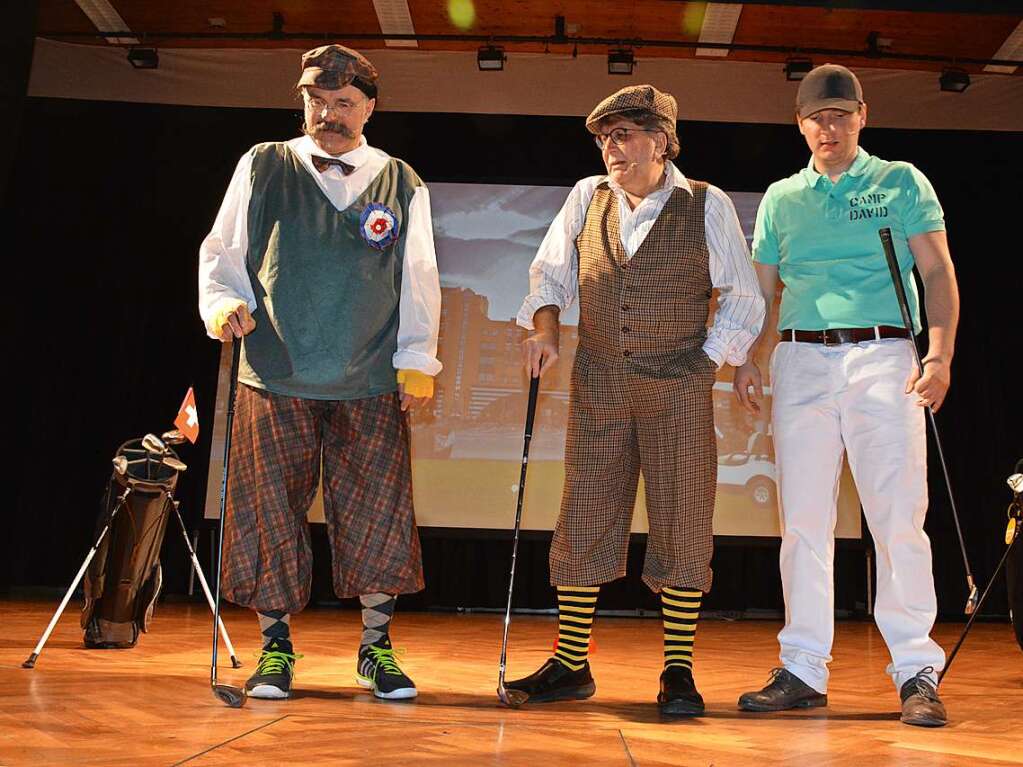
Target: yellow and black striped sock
576, 605
680, 609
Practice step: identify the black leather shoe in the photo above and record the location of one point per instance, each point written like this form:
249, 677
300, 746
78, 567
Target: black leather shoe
921, 705
678, 695
784, 691
556, 681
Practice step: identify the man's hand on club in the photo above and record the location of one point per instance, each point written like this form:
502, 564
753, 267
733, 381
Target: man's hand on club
932, 386
540, 352
233, 320
746, 376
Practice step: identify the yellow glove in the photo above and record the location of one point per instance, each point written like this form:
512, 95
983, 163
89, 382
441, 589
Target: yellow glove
219, 325
416, 384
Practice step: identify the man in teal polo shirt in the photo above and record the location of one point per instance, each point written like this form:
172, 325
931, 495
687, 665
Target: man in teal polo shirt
844, 380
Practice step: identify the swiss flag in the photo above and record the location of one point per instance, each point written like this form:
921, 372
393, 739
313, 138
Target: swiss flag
188, 417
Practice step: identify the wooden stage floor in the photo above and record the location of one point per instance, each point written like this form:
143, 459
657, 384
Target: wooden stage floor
152, 705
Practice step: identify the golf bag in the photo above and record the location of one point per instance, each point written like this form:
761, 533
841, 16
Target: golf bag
124, 579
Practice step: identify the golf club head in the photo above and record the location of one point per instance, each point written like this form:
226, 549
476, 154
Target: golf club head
154, 444
120, 464
173, 437
174, 463
972, 600
511, 698
233, 697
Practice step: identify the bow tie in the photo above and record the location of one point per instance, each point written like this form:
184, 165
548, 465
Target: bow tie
322, 163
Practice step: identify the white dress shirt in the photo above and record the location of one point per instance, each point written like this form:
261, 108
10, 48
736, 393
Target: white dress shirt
554, 273
222, 255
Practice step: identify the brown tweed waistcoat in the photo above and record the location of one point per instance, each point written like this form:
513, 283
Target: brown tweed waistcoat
645, 311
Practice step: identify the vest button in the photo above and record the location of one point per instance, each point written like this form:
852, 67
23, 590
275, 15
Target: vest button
625, 308
625, 330
626, 353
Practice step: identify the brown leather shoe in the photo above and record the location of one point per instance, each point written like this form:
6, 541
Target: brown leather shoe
784, 691
921, 705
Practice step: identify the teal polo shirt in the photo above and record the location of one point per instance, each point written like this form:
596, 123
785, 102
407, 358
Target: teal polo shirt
823, 237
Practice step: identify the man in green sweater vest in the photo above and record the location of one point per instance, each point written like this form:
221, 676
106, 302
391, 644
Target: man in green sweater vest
322, 260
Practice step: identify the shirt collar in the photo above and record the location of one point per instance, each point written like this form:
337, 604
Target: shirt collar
858, 168
673, 178
358, 156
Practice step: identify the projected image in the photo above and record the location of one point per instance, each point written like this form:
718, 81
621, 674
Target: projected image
467, 442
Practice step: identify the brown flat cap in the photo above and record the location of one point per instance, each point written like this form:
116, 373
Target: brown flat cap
829, 86
645, 97
335, 66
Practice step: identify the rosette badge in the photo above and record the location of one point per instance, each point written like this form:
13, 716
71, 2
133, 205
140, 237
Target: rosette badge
379, 225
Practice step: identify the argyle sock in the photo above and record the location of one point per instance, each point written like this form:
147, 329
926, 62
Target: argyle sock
576, 606
377, 611
680, 609
275, 625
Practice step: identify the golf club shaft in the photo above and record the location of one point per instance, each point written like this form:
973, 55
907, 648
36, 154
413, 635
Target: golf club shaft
900, 290
232, 386
534, 388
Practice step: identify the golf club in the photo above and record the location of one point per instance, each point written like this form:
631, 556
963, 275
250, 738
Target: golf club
516, 698
234, 697
972, 601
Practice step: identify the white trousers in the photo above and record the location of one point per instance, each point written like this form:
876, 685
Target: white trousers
851, 397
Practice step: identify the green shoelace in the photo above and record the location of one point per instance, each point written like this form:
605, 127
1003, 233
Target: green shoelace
275, 661
386, 659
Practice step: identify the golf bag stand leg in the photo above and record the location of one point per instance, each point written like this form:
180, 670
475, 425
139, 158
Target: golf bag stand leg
197, 568
31, 661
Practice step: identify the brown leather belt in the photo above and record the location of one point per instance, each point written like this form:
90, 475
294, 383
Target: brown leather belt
836, 336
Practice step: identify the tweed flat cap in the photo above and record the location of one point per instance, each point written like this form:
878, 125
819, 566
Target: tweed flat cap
645, 97
335, 66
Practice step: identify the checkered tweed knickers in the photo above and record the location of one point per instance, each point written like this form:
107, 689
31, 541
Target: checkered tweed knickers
367, 498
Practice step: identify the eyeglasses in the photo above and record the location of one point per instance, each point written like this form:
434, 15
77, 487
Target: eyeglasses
319, 105
620, 135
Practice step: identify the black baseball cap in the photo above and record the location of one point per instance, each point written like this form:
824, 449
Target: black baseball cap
830, 86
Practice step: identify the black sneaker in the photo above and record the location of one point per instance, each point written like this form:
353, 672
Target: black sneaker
678, 695
274, 673
556, 681
378, 671
784, 691
921, 705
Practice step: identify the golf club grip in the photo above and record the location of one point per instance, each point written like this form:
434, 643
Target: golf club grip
534, 390
893, 267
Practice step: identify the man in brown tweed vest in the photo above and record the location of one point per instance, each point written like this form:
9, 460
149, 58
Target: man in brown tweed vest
642, 247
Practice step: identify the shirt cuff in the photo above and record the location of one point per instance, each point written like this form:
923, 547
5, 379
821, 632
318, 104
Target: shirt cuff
406, 359
535, 302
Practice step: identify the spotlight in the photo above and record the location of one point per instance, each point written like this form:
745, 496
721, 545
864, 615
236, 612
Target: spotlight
620, 62
954, 80
143, 58
796, 69
490, 58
